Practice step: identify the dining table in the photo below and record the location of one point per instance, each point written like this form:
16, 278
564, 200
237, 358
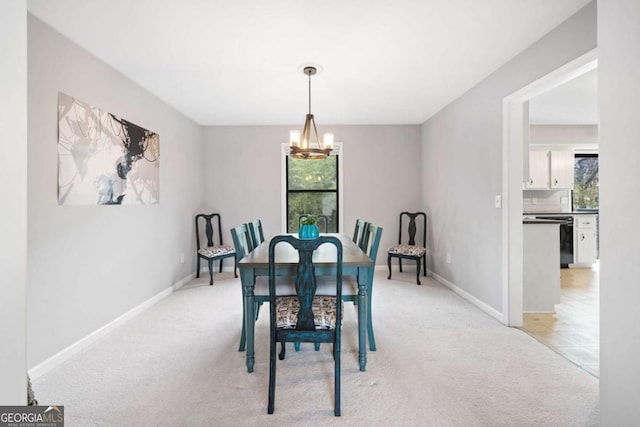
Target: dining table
355, 262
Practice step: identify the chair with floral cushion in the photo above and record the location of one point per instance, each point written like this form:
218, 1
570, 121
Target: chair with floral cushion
207, 247
242, 244
305, 317
242, 241
410, 250
369, 241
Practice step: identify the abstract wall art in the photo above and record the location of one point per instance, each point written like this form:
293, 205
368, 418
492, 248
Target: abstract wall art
104, 159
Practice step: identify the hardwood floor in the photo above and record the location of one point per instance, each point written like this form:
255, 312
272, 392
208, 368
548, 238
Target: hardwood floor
573, 330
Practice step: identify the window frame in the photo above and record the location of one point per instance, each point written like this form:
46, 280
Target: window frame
284, 153
585, 154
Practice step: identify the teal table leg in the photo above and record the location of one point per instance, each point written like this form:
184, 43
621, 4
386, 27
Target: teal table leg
246, 277
363, 279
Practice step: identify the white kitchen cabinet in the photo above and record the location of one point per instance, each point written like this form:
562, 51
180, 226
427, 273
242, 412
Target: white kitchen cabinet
550, 170
538, 170
562, 167
585, 239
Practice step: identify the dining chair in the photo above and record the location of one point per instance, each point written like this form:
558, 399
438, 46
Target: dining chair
257, 235
358, 232
371, 241
304, 316
242, 242
241, 239
208, 249
410, 250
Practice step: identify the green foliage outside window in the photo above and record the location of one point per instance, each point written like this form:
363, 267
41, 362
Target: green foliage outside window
312, 189
585, 191
320, 174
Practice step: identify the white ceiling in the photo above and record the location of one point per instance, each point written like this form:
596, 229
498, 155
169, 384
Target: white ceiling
235, 62
573, 103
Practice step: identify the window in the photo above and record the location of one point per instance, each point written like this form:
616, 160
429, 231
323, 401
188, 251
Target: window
312, 187
585, 191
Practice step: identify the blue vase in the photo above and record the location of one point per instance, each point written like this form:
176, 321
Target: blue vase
308, 232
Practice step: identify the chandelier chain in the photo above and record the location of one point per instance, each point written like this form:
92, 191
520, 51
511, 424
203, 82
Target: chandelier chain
309, 75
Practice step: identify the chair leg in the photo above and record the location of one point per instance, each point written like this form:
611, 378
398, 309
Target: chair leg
389, 265
317, 346
243, 336
296, 346
418, 271
283, 350
336, 379
197, 267
272, 375
372, 340
424, 264
211, 272
256, 309
400, 264
221, 259
235, 267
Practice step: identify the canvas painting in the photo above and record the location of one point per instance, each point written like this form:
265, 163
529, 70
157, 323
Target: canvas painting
104, 159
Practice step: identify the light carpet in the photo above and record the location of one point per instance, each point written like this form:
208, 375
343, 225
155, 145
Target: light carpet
440, 362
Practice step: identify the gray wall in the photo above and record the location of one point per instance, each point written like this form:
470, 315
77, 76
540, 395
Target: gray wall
462, 161
619, 103
381, 174
580, 135
619, 91
90, 264
13, 194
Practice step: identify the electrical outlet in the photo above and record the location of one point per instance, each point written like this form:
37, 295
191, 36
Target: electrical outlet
498, 202
448, 258
182, 258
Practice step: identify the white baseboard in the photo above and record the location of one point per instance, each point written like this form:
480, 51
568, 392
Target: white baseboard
464, 294
64, 354
473, 300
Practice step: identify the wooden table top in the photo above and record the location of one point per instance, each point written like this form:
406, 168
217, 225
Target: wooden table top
324, 256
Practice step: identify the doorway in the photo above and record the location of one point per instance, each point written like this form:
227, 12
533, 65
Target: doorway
515, 108
565, 120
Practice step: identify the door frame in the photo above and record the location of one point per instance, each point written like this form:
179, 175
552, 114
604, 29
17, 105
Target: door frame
515, 122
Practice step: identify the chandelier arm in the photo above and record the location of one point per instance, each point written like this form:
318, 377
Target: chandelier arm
316, 132
306, 132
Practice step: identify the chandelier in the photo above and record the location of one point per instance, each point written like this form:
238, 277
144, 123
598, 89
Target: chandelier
302, 146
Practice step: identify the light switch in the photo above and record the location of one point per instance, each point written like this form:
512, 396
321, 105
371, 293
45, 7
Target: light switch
498, 202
